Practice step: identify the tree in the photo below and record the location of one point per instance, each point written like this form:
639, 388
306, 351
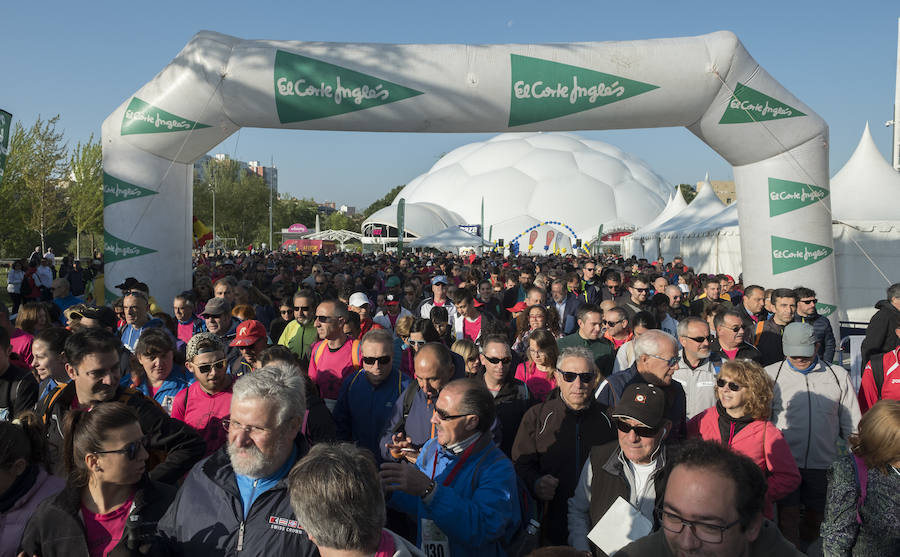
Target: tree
42, 171
233, 201
383, 202
85, 191
688, 191
14, 238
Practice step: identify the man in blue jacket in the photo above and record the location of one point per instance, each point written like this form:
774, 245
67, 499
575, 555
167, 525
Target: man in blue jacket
367, 398
462, 489
236, 501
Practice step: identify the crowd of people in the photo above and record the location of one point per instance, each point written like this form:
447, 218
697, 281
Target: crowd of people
378, 404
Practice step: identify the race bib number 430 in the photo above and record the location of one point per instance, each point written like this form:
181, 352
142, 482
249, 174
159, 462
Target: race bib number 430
434, 542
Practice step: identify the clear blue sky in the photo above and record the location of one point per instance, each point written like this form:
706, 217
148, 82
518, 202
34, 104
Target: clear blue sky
82, 60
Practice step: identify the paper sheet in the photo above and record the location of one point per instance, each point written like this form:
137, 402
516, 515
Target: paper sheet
621, 525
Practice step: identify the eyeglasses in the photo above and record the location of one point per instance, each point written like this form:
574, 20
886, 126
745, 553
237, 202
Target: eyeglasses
206, 368
323, 318
641, 289
417, 343
611, 323
445, 417
732, 386
381, 360
703, 531
673, 361
230, 425
813, 301
571, 376
642, 431
301, 308
286, 311
320, 284
591, 269
130, 450
734, 329
699, 340
211, 316
504, 360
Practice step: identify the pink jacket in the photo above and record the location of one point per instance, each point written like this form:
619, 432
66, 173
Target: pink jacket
12, 522
764, 444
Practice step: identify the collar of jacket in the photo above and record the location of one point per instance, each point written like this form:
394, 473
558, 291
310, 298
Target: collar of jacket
509, 388
69, 499
615, 464
723, 414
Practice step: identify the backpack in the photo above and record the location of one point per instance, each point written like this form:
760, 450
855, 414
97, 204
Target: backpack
408, 398
354, 353
877, 363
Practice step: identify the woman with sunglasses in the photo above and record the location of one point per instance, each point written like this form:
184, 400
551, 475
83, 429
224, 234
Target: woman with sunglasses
740, 420
109, 506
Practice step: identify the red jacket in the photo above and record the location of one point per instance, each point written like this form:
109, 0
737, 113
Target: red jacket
763, 443
890, 389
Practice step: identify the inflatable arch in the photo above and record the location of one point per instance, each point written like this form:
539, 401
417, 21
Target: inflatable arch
709, 84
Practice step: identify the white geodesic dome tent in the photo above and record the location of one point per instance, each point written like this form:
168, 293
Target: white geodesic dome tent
559, 182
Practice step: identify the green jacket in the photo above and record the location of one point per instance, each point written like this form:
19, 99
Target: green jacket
604, 353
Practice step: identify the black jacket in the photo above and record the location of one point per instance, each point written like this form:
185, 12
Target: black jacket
207, 517
18, 392
824, 334
880, 335
57, 528
174, 445
511, 402
745, 352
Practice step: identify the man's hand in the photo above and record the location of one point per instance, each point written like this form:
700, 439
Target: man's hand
402, 476
545, 487
402, 447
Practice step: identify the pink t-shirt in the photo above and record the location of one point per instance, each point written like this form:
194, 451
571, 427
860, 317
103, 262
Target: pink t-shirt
536, 380
731, 353
204, 412
332, 367
185, 331
21, 342
471, 329
103, 531
386, 545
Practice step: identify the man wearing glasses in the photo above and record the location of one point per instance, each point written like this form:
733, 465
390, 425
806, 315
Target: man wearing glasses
730, 343
628, 467
656, 359
367, 397
207, 401
639, 291
712, 506
462, 488
806, 313
237, 501
335, 355
300, 333
92, 362
555, 439
696, 370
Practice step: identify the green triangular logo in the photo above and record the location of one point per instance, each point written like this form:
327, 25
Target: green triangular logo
115, 190
825, 309
307, 89
543, 89
786, 196
749, 105
788, 255
142, 117
116, 249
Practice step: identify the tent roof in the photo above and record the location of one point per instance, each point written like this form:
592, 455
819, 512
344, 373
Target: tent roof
675, 205
707, 204
448, 238
725, 219
420, 219
866, 187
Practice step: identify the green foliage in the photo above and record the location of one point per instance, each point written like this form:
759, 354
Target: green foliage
241, 202
688, 191
383, 202
85, 191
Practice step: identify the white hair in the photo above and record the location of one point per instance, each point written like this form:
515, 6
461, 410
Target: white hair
281, 384
651, 343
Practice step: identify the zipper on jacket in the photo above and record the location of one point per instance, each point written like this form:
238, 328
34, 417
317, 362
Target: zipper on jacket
240, 542
808, 420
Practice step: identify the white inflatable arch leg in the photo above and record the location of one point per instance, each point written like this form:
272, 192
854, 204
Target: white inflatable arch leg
709, 84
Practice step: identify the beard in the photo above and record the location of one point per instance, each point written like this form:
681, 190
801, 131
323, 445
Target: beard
253, 463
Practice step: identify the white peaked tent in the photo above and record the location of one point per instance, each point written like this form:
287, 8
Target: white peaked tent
712, 245
450, 239
866, 228
675, 205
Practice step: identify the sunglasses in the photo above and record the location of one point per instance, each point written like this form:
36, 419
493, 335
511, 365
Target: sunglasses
382, 360
130, 450
412, 342
206, 368
642, 431
444, 416
301, 308
734, 329
589, 269
732, 386
504, 361
211, 316
699, 340
570, 376
641, 289
612, 323
323, 318
813, 301
670, 362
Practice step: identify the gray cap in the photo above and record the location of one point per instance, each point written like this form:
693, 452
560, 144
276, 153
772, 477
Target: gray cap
799, 340
213, 342
216, 306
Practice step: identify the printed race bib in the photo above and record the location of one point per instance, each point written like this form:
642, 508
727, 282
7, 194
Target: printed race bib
434, 542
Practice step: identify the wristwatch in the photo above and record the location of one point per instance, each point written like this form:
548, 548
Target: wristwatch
428, 490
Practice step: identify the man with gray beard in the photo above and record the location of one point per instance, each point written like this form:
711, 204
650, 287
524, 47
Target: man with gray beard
237, 499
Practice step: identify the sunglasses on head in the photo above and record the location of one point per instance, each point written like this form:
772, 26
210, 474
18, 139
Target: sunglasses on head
570, 376
504, 360
382, 360
206, 368
732, 386
130, 450
642, 431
